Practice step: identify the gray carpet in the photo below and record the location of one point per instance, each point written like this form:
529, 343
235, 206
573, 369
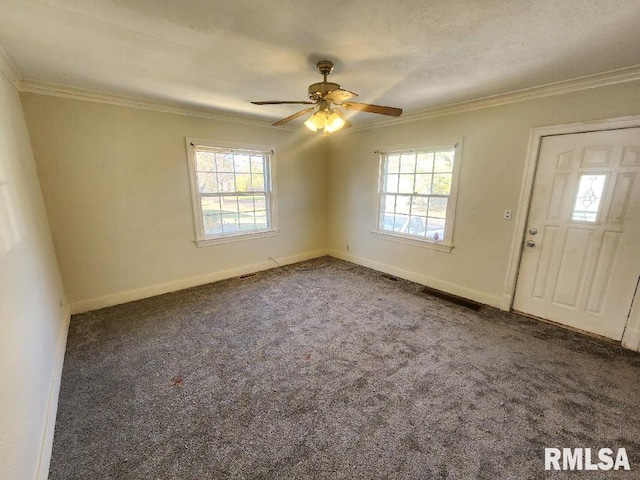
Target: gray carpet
328, 370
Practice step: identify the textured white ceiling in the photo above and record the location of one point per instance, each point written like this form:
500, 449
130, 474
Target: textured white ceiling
412, 54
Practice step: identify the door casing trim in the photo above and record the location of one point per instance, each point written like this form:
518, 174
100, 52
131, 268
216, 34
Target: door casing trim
526, 190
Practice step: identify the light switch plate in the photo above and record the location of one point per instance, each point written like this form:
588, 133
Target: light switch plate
507, 215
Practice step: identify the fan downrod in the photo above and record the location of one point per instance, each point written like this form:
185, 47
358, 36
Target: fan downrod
317, 91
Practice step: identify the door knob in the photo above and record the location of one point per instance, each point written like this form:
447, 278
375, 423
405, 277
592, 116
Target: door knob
531, 243
533, 231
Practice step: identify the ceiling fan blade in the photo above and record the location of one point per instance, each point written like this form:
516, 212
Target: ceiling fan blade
294, 116
339, 95
366, 107
278, 102
347, 123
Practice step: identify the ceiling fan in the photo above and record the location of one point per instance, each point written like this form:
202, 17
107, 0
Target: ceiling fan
325, 94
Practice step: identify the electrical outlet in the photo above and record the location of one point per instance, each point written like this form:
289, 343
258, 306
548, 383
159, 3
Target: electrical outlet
507, 215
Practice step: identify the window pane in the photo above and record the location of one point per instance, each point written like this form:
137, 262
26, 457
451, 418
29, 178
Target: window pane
435, 229
242, 163
212, 224
224, 162
261, 220
406, 184
408, 163
247, 221
260, 202
403, 204
438, 207
588, 198
232, 189
393, 164
230, 222
415, 193
419, 206
417, 225
386, 221
257, 182
425, 163
205, 162
423, 184
388, 203
210, 205
229, 204
243, 182
226, 183
400, 223
257, 164
391, 183
444, 162
247, 224
245, 204
442, 184
207, 182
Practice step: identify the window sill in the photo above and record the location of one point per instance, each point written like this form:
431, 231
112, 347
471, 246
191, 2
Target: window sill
440, 247
239, 237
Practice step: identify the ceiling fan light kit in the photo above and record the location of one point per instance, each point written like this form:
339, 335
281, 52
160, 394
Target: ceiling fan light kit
324, 94
327, 120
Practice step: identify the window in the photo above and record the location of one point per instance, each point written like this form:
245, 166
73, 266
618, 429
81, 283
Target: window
417, 194
588, 198
232, 190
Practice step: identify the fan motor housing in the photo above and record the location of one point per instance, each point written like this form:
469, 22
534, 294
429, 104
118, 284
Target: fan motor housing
320, 89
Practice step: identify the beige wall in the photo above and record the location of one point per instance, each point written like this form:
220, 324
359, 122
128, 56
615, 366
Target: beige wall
33, 310
116, 189
116, 186
493, 157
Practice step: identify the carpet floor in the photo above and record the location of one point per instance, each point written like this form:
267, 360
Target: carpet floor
329, 370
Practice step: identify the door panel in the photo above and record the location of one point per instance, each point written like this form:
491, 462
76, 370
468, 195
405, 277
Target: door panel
583, 260
571, 269
604, 265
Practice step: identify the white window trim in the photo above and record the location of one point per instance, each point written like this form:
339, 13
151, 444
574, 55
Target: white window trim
203, 240
427, 146
410, 240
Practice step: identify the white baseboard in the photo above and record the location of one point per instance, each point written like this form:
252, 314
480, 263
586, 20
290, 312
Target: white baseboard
507, 302
159, 289
42, 472
631, 339
482, 297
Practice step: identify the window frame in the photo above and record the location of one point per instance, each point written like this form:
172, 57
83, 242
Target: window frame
430, 146
201, 238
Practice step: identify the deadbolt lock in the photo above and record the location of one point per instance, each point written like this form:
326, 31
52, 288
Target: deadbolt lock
533, 231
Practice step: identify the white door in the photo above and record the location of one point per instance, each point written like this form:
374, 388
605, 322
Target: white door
581, 260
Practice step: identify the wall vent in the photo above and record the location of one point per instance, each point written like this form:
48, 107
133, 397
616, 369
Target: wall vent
389, 277
453, 298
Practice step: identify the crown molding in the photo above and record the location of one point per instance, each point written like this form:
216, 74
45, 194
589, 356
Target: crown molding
42, 88
9, 70
613, 77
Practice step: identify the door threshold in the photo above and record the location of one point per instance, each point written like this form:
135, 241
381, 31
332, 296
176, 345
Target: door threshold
570, 328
